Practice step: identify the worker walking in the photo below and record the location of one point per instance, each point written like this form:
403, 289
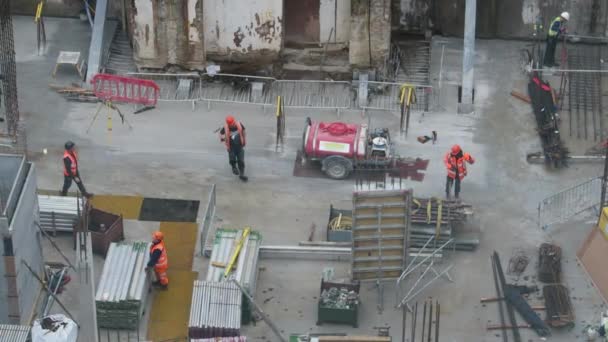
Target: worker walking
233, 135
455, 162
70, 170
158, 260
557, 27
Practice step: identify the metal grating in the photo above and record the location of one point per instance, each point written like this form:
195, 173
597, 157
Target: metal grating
381, 221
8, 70
14, 333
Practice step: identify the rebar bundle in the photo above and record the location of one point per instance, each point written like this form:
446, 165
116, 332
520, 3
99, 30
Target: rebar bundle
559, 307
8, 70
549, 263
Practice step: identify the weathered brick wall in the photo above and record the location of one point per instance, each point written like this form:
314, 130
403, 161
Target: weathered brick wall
369, 28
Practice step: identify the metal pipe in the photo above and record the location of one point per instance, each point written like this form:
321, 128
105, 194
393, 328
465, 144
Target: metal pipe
262, 313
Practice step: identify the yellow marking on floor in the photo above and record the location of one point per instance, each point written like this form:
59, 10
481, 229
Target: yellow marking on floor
180, 240
127, 206
171, 308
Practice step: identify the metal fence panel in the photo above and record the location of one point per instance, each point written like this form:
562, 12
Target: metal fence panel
386, 96
314, 93
569, 202
174, 87
233, 88
207, 220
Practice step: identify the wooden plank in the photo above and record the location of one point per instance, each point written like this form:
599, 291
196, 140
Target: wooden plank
520, 96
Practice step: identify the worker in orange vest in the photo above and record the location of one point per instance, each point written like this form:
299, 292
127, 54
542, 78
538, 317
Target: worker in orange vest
158, 260
70, 170
455, 162
233, 135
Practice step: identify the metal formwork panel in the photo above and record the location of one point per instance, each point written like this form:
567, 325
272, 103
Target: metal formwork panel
381, 221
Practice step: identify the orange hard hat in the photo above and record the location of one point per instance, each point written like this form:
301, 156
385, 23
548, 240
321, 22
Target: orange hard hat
456, 149
230, 120
158, 235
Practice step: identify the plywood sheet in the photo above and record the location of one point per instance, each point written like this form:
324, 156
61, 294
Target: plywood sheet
593, 255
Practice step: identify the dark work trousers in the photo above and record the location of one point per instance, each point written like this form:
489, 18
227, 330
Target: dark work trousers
550, 51
236, 156
448, 186
67, 183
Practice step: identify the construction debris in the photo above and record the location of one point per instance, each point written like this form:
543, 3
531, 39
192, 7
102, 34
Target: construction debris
518, 263
75, 93
559, 308
338, 303
215, 310
549, 263
342, 298
123, 287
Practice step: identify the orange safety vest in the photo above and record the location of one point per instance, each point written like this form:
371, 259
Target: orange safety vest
451, 161
162, 264
239, 129
74, 159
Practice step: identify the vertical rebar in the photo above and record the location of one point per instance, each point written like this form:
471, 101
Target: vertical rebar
8, 69
423, 321
430, 319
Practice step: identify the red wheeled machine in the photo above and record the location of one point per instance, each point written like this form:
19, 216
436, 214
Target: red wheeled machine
343, 147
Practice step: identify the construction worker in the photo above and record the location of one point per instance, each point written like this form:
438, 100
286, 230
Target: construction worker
233, 135
158, 260
455, 162
70, 170
557, 27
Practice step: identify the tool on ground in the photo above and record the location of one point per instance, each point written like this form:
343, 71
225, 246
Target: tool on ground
237, 250
425, 138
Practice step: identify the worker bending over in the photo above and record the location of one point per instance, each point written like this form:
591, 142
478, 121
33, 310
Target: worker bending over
158, 260
455, 162
70, 170
233, 135
557, 27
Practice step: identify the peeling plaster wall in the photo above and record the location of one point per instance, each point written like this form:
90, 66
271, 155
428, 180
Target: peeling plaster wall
238, 30
378, 36
166, 32
500, 18
335, 14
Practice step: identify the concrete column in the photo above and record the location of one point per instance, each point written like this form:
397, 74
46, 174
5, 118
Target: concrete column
468, 58
95, 53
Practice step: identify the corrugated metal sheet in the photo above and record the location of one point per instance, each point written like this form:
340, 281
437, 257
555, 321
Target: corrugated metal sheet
221, 339
246, 267
123, 287
14, 333
59, 212
215, 310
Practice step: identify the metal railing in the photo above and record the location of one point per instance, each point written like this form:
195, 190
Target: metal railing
232, 88
207, 221
386, 96
313, 93
570, 202
174, 87
263, 91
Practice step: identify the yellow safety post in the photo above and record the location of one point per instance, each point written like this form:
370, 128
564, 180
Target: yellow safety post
237, 250
439, 218
429, 206
278, 106
38, 11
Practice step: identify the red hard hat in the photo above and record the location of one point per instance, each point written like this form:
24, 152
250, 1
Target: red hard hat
158, 235
456, 149
230, 120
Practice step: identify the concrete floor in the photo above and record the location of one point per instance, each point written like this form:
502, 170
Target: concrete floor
172, 152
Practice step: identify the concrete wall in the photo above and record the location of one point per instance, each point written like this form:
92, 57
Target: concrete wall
378, 36
335, 14
500, 18
61, 8
166, 32
238, 30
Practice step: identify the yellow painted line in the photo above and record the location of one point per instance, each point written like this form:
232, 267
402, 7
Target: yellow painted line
127, 206
171, 308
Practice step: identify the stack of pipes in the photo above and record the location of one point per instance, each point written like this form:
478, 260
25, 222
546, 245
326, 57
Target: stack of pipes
123, 287
58, 213
215, 310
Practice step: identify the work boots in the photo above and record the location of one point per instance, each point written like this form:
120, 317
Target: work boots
235, 171
242, 173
